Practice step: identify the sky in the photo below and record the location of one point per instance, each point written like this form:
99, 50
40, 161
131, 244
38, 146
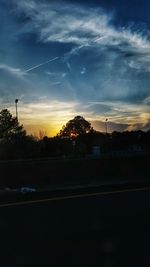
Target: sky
67, 58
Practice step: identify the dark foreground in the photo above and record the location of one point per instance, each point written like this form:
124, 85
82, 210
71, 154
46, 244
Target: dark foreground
105, 230
43, 173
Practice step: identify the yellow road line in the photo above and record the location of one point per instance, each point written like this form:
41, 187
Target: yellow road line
72, 197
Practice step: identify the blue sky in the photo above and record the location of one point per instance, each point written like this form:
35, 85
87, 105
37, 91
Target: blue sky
67, 58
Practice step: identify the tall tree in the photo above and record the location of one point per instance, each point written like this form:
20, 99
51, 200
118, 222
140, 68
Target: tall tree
75, 127
9, 126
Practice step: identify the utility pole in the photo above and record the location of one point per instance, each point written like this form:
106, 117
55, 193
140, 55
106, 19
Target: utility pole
106, 125
16, 102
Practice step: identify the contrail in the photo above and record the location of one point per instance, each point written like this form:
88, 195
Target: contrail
99, 38
39, 65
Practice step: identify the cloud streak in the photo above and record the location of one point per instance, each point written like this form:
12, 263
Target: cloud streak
82, 27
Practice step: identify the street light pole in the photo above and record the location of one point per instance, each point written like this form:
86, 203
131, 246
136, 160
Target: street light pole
16, 102
106, 125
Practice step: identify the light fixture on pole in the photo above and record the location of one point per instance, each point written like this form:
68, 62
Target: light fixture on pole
16, 102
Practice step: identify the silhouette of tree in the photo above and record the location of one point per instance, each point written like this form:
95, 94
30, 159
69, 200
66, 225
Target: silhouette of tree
9, 126
75, 127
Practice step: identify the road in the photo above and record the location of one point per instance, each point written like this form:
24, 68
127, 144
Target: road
111, 229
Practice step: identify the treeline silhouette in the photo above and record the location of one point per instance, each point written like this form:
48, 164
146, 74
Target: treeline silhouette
76, 139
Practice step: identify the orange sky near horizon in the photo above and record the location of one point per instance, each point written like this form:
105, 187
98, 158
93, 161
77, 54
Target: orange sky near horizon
50, 116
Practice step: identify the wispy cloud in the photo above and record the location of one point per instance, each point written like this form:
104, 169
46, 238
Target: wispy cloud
68, 66
56, 83
64, 75
84, 27
145, 126
12, 70
51, 73
83, 71
14, 83
111, 126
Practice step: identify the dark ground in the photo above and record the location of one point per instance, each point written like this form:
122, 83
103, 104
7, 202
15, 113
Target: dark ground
108, 230
48, 172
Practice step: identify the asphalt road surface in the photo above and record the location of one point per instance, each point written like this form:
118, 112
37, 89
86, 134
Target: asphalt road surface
92, 230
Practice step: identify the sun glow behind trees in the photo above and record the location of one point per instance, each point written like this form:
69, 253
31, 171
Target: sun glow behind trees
75, 127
